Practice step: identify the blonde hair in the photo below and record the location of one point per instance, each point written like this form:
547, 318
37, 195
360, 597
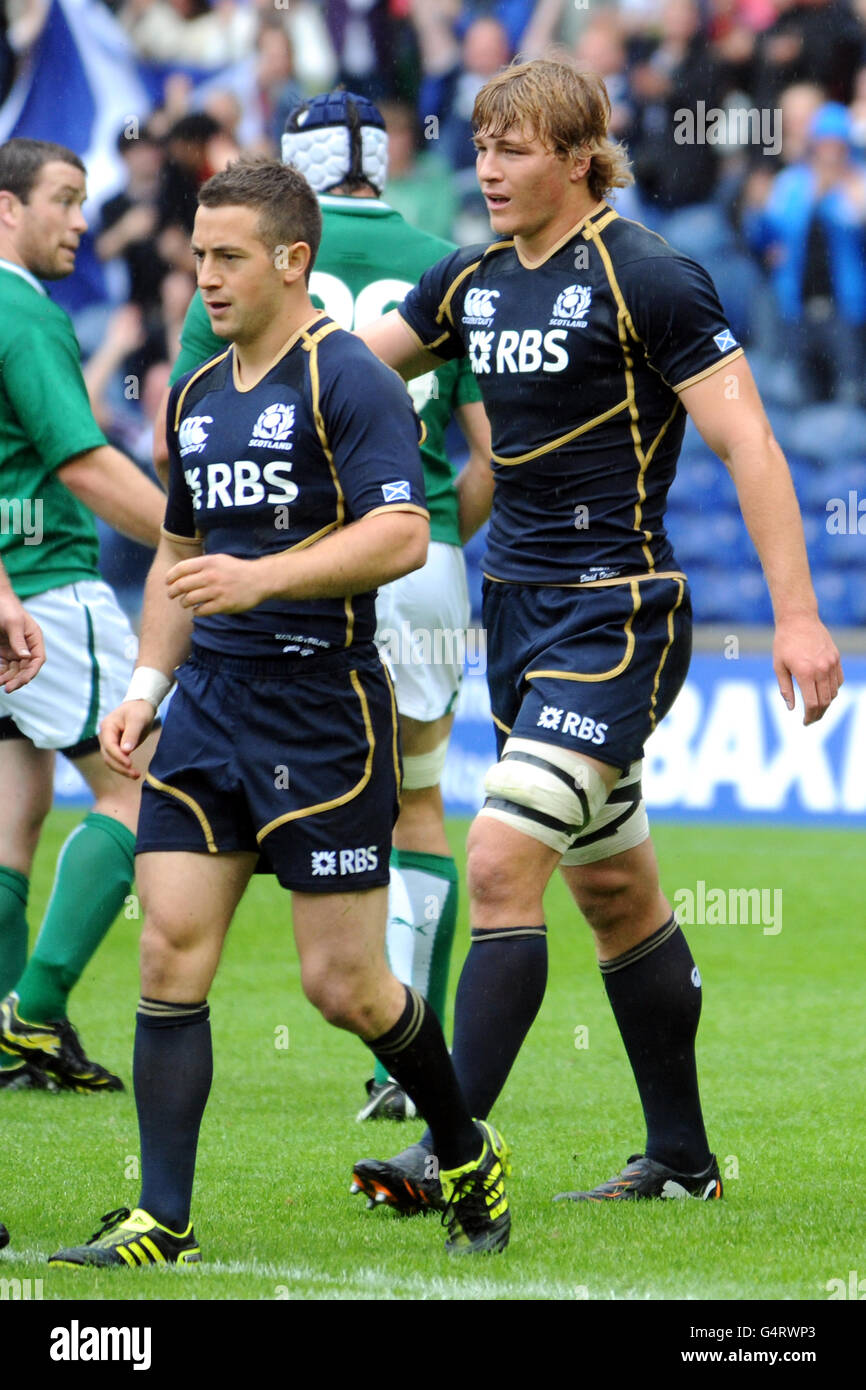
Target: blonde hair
567, 110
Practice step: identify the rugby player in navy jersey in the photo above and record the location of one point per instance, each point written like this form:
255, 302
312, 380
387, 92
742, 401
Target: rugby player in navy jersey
295, 488
591, 339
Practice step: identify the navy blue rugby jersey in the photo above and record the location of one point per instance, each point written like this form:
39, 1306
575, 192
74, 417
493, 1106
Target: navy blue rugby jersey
327, 436
579, 360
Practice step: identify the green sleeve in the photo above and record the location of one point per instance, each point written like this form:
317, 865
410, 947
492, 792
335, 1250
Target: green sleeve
466, 389
198, 341
43, 380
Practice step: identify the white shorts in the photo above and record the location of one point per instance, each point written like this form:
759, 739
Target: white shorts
421, 632
90, 650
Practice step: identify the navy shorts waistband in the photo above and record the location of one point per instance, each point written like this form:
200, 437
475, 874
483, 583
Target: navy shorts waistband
363, 654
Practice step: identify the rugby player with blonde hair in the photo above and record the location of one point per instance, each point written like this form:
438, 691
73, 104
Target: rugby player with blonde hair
592, 340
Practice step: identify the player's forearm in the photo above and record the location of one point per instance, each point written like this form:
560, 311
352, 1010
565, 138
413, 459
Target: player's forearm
394, 344
364, 556
166, 627
111, 485
772, 516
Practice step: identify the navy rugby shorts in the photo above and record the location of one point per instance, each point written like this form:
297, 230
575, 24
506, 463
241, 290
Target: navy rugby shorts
296, 761
593, 669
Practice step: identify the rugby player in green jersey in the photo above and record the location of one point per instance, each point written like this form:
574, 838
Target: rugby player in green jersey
56, 470
370, 257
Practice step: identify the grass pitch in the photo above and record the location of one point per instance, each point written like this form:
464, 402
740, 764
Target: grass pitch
780, 1052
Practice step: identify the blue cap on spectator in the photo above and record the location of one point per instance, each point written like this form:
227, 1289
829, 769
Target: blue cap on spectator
831, 122
337, 138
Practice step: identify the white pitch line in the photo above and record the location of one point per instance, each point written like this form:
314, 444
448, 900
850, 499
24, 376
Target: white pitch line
305, 1279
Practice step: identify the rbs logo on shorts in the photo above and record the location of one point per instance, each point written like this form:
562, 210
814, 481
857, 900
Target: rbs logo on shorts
334, 862
567, 722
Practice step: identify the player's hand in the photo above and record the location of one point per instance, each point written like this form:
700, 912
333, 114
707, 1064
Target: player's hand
804, 651
122, 731
216, 584
22, 646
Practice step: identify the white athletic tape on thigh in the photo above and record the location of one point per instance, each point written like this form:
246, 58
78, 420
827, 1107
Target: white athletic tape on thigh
424, 769
543, 791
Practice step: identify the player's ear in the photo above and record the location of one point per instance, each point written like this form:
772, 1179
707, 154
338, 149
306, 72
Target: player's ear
292, 260
579, 166
9, 205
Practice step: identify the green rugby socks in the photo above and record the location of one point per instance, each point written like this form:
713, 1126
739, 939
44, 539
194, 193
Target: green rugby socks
93, 877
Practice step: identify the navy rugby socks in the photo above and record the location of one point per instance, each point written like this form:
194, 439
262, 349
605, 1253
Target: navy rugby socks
414, 1053
655, 993
500, 992
172, 1070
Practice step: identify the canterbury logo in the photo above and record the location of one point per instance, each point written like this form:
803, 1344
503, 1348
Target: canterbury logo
478, 306
192, 435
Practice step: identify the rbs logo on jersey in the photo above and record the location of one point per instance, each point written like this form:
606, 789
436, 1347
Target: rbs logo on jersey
529, 351
240, 484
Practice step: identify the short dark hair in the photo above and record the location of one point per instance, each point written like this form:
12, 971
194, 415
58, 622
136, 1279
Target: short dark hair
21, 161
287, 206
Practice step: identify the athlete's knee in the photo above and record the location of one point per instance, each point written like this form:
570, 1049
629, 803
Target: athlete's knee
491, 877
342, 998
165, 947
544, 791
613, 891
19, 839
506, 874
23, 818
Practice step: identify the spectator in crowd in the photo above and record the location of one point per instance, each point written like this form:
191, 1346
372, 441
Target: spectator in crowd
196, 147
129, 220
315, 59
193, 32
811, 41
369, 39
455, 72
601, 49
678, 73
811, 230
277, 88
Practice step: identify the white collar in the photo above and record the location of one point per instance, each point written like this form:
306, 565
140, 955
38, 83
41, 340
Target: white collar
24, 273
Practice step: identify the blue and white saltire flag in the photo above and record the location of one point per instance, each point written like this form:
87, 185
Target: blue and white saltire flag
79, 86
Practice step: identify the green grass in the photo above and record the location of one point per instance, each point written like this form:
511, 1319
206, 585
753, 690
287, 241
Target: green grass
781, 1069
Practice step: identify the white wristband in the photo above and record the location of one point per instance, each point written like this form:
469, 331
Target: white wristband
148, 684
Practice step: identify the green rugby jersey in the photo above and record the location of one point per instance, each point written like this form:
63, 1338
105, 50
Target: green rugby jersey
369, 259
47, 537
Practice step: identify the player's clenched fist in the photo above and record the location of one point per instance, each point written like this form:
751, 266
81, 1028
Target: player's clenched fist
216, 584
122, 731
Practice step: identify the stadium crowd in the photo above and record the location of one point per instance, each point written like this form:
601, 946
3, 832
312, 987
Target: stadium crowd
745, 121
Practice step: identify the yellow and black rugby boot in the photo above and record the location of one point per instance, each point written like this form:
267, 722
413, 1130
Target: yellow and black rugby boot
133, 1239
643, 1177
55, 1048
476, 1213
26, 1077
